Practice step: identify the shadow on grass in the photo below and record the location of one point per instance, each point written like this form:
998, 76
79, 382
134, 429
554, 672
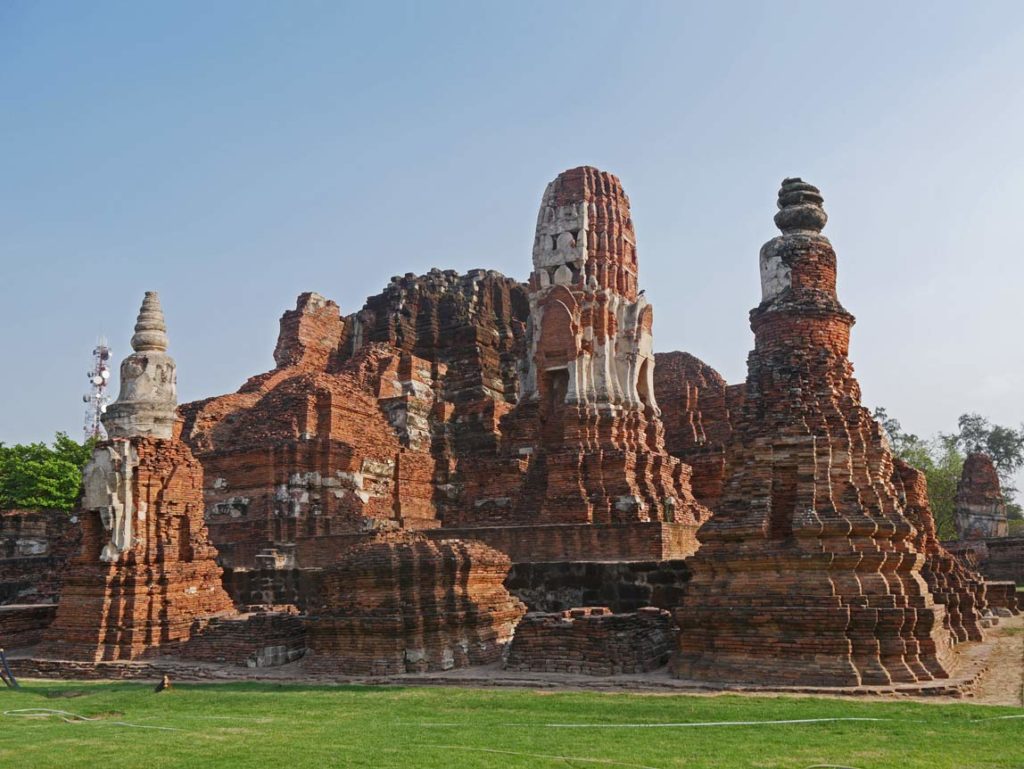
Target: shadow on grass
67, 689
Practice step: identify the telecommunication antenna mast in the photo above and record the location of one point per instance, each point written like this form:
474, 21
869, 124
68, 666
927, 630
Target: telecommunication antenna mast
96, 399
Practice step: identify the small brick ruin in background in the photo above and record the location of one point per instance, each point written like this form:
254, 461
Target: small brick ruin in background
593, 641
980, 507
406, 604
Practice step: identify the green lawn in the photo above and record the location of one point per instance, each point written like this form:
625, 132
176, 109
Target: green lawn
289, 726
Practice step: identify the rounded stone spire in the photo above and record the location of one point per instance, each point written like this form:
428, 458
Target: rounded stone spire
148, 397
800, 207
150, 328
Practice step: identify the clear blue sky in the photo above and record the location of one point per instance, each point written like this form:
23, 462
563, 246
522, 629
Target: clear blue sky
233, 154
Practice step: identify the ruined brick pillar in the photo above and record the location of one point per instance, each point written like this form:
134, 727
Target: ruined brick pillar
807, 573
980, 507
146, 569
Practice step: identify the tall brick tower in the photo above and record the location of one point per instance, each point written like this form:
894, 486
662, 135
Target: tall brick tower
585, 443
146, 569
807, 573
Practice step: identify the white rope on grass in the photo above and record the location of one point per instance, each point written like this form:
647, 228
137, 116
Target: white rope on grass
75, 718
553, 757
683, 724
668, 725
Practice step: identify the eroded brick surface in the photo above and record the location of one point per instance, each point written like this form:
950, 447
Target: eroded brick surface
961, 589
34, 548
404, 603
23, 624
147, 597
256, 639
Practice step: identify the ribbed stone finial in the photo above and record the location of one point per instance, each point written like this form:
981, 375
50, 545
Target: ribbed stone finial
800, 207
148, 397
150, 329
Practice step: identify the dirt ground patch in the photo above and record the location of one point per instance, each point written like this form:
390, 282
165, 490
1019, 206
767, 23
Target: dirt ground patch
1003, 682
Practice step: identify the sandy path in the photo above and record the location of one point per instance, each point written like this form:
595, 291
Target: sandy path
1003, 683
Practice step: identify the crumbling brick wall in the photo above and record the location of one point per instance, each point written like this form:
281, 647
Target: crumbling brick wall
593, 641
35, 546
258, 639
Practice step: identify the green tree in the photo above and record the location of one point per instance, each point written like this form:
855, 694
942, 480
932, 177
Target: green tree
939, 458
35, 475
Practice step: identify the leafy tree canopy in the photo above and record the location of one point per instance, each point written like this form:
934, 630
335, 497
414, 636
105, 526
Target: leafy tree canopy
35, 475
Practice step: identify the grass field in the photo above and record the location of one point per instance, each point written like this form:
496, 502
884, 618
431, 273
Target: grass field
269, 725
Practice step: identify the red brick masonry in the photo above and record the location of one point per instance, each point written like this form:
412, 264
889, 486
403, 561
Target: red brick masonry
408, 604
148, 599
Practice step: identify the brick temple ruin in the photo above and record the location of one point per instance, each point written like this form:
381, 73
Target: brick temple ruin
980, 507
411, 478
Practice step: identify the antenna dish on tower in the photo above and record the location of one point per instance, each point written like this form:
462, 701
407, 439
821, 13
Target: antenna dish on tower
97, 398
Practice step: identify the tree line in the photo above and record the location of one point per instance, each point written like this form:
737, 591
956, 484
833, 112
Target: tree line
37, 476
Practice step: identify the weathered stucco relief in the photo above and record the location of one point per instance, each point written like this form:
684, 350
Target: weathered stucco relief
107, 480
